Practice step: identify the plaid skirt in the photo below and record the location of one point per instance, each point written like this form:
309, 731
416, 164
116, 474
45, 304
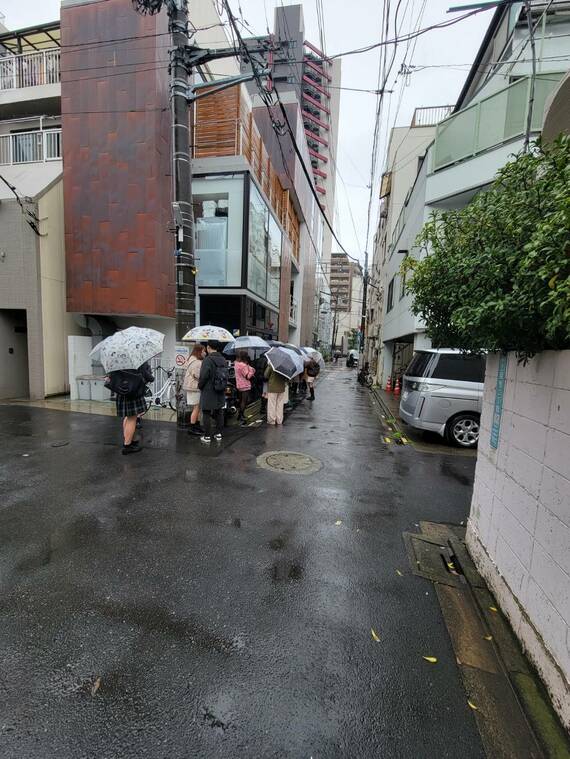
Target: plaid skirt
130, 406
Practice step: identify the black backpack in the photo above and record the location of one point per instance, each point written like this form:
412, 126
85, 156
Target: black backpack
221, 376
128, 383
313, 369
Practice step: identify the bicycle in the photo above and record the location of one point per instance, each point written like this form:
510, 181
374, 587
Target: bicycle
166, 394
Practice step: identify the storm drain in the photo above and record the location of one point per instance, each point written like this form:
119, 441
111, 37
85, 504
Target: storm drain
433, 559
289, 462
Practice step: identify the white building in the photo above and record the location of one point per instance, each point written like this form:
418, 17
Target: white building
487, 126
406, 149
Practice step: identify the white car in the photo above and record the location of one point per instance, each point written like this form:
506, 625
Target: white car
442, 391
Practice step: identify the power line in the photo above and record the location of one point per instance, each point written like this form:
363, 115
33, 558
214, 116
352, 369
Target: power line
309, 178
29, 216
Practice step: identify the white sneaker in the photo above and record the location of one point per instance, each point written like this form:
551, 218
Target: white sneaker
218, 437
205, 439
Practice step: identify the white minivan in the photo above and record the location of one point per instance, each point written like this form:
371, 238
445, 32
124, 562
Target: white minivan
442, 391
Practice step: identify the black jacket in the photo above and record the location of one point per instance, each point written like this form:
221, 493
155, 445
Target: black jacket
210, 399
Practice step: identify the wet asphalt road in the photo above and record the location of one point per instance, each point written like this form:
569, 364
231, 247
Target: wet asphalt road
183, 602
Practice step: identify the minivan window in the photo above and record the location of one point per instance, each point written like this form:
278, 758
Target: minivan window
419, 364
459, 367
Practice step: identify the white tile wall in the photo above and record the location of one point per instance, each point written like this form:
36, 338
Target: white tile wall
519, 527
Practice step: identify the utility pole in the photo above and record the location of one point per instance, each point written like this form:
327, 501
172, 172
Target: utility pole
364, 297
183, 59
185, 281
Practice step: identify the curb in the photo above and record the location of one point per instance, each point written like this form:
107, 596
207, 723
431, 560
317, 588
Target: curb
397, 432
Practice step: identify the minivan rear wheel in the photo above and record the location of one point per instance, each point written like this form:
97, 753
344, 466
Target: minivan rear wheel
463, 430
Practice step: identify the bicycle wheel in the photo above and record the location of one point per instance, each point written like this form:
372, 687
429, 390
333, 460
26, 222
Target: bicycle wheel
172, 396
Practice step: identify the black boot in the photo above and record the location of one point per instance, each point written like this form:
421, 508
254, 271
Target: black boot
134, 447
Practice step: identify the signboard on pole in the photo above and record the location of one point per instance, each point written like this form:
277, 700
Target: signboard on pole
499, 395
182, 355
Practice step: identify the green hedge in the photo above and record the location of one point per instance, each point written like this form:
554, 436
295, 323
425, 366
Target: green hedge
497, 276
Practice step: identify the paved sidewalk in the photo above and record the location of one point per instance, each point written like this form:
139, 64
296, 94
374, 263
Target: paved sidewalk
183, 602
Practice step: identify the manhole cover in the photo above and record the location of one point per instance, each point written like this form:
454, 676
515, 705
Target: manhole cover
289, 462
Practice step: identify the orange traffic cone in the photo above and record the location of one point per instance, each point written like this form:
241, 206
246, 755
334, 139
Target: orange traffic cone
397, 387
389, 385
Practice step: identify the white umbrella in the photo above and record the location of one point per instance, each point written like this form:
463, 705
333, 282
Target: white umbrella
285, 362
208, 332
246, 342
128, 348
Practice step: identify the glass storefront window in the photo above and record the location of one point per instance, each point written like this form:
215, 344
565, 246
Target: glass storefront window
265, 239
258, 243
218, 225
274, 279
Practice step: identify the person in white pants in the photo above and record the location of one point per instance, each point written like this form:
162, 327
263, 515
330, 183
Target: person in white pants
276, 395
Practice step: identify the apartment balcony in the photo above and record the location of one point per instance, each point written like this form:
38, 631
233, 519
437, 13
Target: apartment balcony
30, 79
30, 70
315, 102
473, 144
431, 116
36, 146
490, 124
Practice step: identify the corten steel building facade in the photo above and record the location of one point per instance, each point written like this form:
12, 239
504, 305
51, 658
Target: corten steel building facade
118, 180
117, 164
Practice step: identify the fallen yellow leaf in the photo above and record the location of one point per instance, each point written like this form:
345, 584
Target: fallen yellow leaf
493, 608
451, 565
96, 686
399, 573
431, 659
488, 637
552, 282
338, 521
472, 705
374, 636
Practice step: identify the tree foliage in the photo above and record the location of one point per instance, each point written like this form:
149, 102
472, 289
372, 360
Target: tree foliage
497, 276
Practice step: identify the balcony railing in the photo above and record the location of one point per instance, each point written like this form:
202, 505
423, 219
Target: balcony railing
29, 69
492, 121
424, 117
30, 147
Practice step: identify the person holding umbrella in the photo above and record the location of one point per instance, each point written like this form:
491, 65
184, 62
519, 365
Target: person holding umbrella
212, 384
282, 365
244, 374
123, 356
276, 395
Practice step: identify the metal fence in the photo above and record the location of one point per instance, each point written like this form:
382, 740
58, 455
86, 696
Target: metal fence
30, 147
424, 117
30, 69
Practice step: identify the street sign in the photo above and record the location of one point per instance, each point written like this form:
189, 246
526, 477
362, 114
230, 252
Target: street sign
499, 395
182, 355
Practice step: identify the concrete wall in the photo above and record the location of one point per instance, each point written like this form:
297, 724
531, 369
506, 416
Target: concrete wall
19, 284
57, 324
519, 527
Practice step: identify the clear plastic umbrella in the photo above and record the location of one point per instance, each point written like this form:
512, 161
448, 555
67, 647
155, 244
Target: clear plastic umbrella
129, 348
285, 362
315, 355
247, 342
208, 332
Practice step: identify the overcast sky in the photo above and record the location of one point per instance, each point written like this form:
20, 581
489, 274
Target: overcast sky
447, 51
